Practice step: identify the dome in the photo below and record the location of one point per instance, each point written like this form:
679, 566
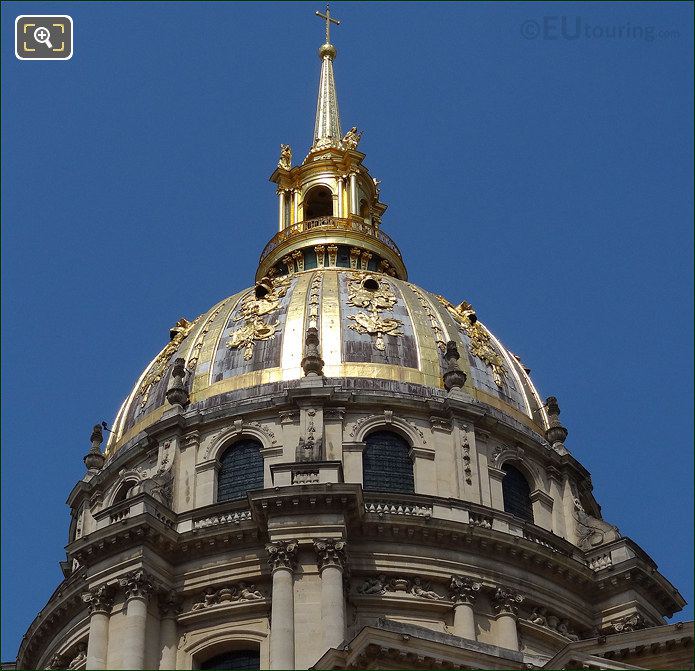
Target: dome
374, 330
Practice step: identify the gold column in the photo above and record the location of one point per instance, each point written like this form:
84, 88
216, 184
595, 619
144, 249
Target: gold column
295, 205
353, 193
341, 196
281, 209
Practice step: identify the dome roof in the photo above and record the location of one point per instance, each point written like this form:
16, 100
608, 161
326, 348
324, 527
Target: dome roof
370, 326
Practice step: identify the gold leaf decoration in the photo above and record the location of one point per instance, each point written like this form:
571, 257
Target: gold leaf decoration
481, 343
179, 332
253, 309
365, 291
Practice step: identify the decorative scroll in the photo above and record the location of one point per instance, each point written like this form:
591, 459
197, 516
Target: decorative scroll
252, 311
481, 343
364, 291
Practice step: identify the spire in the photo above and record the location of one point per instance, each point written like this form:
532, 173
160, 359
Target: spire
327, 131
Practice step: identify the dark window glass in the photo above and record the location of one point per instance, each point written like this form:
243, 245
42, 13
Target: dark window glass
386, 464
235, 659
516, 493
241, 470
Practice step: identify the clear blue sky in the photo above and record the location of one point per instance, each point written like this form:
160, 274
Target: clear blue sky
546, 181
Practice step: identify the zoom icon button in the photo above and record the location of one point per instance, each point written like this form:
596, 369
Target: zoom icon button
43, 38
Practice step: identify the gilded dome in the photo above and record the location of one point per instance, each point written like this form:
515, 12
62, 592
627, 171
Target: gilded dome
373, 328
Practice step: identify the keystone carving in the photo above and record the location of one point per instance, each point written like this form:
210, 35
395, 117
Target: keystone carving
506, 601
330, 552
282, 554
464, 590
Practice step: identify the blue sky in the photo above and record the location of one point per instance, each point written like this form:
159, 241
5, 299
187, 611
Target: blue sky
546, 180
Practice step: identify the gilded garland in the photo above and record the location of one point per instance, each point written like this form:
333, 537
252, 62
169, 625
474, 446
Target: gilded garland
179, 332
364, 291
252, 312
481, 345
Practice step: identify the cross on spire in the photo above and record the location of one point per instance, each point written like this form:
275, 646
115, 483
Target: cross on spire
329, 19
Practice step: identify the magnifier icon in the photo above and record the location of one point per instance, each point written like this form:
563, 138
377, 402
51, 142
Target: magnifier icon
43, 36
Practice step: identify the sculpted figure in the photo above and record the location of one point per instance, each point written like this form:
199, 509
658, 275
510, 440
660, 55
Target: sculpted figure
209, 599
538, 617
249, 592
591, 530
352, 138
374, 585
418, 589
285, 161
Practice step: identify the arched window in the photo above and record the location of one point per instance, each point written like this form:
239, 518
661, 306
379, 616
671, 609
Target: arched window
234, 659
386, 464
241, 470
318, 202
516, 493
124, 491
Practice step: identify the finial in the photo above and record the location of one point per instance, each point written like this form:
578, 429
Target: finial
329, 20
176, 393
312, 363
94, 459
453, 375
556, 433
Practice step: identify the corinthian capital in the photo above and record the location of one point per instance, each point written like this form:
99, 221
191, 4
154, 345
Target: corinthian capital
330, 552
137, 584
463, 589
282, 554
99, 599
506, 601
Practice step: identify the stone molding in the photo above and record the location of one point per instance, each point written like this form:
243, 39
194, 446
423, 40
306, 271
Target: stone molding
282, 555
330, 552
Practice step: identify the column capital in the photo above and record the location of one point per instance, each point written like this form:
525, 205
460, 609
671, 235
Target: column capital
99, 599
506, 601
169, 604
137, 585
330, 552
282, 555
464, 590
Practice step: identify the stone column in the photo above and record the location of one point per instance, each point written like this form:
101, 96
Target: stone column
169, 608
506, 602
331, 559
100, 601
353, 193
281, 209
555, 480
282, 558
138, 588
464, 592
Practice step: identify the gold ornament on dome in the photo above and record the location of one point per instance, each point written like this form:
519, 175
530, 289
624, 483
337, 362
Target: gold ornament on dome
253, 309
481, 343
364, 291
178, 333
352, 138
